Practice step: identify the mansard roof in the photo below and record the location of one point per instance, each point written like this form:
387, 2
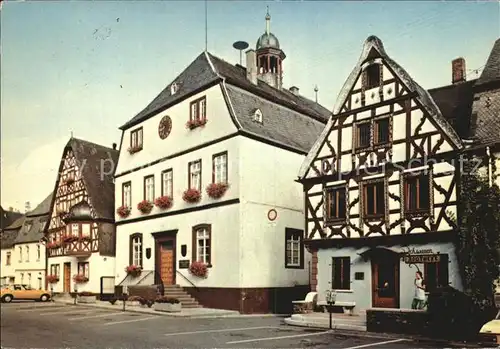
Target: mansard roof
34, 224
207, 70
373, 46
100, 187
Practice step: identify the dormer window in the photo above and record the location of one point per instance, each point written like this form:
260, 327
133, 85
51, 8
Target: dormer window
173, 88
257, 116
372, 76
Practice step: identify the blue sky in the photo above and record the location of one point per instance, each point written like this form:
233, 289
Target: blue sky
88, 67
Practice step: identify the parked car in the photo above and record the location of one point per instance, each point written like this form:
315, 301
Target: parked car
490, 332
23, 292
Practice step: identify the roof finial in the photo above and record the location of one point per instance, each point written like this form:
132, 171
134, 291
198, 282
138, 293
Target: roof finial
71, 134
268, 21
316, 92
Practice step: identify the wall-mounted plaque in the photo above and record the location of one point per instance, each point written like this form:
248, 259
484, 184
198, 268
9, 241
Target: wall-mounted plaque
359, 276
184, 264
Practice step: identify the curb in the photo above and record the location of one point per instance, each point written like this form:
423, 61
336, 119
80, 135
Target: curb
363, 334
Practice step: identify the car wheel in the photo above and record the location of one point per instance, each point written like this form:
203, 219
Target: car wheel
44, 298
7, 298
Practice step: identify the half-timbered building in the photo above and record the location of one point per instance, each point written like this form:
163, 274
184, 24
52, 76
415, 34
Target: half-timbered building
80, 232
206, 174
381, 182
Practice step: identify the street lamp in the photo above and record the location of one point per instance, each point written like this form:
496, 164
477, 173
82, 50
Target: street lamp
331, 296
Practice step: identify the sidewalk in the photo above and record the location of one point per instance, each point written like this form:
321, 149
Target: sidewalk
193, 313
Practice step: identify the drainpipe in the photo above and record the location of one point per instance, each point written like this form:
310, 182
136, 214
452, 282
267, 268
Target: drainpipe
490, 175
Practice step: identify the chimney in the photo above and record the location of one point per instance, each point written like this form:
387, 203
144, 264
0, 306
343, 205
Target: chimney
458, 70
251, 66
114, 146
294, 90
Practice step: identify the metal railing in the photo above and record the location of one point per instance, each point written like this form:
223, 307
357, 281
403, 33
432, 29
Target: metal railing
185, 278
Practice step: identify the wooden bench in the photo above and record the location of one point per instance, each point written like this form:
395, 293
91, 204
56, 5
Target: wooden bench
307, 305
347, 307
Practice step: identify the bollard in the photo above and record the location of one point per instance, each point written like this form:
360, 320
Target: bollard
331, 296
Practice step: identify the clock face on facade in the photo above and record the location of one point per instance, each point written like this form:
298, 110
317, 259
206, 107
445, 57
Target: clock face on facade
165, 127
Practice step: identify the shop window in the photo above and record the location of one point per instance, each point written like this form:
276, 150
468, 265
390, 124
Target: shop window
436, 274
341, 273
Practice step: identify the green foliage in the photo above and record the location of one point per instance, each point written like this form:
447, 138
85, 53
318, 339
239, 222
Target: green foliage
478, 237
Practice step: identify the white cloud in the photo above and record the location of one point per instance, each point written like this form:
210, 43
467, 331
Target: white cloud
34, 177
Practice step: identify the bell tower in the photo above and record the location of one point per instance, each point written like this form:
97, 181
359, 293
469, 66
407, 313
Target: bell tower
269, 57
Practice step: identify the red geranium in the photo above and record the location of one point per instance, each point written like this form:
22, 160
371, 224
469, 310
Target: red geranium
52, 279
70, 238
145, 206
195, 123
163, 202
216, 190
191, 195
133, 270
80, 279
198, 269
123, 211
54, 244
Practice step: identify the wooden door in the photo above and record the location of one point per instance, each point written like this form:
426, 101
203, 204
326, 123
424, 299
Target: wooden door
167, 262
67, 277
385, 283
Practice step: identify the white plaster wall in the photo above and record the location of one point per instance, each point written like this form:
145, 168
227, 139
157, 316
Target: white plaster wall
29, 263
225, 241
361, 290
218, 125
99, 266
179, 166
6, 271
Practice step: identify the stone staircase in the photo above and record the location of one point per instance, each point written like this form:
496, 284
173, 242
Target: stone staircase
175, 291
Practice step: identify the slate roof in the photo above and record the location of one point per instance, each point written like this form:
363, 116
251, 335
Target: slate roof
9, 234
208, 69
491, 71
34, 223
101, 191
8, 217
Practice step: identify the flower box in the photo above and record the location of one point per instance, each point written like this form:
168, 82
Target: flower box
52, 279
217, 190
191, 195
192, 124
69, 239
80, 279
145, 206
135, 149
163, 202
198, 269
53, 245
123, 211
86, 299
167, 304
133, 270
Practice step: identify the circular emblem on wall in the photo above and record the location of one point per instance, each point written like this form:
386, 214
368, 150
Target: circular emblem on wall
165, 127
272, 214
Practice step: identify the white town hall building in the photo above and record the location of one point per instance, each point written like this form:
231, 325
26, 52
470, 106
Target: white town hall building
206, 173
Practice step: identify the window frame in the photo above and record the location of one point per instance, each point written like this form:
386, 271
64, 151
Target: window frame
127, 184
328, 192
358, 125
344, 284
54, 269
146, 178
368, 71
442, 270
214, 169
376, 130
163, 173
194, 248
374, 183
374, 133
8, 257
189, 174
38, 252
198, 115
417, 176
290, 233
86, 271
132, 258
139, 132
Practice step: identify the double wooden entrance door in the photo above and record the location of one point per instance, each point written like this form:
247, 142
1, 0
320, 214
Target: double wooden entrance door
67, 278
385, 282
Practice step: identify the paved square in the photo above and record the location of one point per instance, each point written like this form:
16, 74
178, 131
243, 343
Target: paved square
87, 327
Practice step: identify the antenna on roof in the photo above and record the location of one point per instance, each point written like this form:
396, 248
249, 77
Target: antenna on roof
206, 25
240, 45
316, 93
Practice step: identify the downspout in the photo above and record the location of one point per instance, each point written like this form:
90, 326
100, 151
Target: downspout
490, 175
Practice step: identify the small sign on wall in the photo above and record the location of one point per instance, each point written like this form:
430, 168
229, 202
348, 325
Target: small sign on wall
184, 264
272, 215
422, 258
359, 276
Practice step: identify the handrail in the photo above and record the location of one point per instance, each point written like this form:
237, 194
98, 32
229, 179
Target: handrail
196, 288
149, 273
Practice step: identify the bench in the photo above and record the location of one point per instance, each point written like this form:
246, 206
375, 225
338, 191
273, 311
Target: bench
347, 307
307, 305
